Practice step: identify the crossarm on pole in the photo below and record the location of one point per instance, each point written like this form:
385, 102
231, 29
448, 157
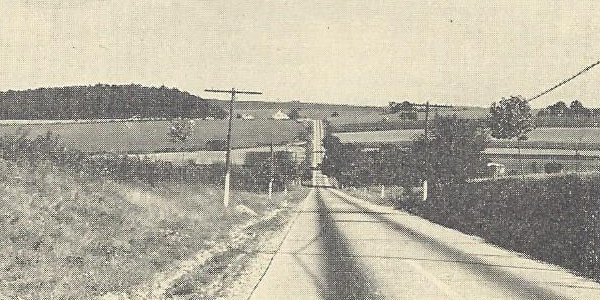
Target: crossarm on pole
233, 91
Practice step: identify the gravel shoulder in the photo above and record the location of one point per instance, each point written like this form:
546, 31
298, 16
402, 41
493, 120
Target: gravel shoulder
228, 268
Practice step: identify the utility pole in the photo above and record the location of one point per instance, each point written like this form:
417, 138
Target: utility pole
233, 92
426, 150
271, 172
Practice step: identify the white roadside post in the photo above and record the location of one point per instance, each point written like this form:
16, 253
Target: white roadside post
228, 155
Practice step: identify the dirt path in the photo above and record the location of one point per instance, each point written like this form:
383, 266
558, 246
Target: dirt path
228, 269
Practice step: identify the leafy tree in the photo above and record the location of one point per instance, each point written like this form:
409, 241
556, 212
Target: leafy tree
452, 153
577, 108
511, 118
576, 105
558, 108
332, 164
294, 113
354, 165
180, 130
405, 106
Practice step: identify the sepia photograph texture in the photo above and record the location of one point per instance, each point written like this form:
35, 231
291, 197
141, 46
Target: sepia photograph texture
299, 150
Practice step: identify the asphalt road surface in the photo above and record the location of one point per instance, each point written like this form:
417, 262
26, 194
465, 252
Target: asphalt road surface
341, 247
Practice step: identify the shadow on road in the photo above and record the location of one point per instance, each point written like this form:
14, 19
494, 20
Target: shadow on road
344, 277
507, 282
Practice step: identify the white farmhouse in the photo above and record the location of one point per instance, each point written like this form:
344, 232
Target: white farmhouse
279, 115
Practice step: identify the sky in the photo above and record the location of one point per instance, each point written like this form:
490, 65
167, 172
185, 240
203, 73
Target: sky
352, 52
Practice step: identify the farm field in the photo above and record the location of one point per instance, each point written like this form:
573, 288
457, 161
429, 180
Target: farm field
238, 156
151, 136
346, 114
550, 135
543, 146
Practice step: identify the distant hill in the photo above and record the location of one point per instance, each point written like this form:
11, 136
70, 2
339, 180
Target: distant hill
103, 101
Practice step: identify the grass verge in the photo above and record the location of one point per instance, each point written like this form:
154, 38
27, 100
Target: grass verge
64, 238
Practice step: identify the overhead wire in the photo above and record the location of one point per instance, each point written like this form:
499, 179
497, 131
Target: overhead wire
564, 81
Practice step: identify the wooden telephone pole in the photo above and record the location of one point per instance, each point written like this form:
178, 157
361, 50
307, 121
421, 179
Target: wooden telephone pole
233, 92
271, 171
428, 107
426, 151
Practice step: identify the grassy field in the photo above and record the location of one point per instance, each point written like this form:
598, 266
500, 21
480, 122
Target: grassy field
151, 136
346, 114
543, 146
70, 239
238, 156
550, 135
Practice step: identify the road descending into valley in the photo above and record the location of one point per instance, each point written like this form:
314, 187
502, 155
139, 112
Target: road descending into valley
341, 247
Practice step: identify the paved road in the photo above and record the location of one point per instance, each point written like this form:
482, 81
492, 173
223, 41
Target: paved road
341, 247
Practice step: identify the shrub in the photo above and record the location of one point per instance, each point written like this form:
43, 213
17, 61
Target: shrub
47, 150
553, 167
556, 220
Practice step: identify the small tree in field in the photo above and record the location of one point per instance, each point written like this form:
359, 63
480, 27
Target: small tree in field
511, 118
179, 131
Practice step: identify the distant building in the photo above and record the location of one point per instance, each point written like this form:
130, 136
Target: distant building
496, 169
279, 115
247, 117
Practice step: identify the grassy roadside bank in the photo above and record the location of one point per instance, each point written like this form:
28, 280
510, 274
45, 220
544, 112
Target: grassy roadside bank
233, 273
64, 238
556, 219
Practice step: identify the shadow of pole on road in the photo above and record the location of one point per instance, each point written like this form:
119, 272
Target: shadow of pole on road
344, 277
508, 283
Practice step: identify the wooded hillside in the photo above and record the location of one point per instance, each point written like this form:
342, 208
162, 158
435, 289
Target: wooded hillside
103, 101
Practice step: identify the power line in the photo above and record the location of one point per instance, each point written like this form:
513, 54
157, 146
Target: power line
565, 81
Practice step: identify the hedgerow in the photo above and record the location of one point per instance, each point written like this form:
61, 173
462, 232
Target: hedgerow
556, 219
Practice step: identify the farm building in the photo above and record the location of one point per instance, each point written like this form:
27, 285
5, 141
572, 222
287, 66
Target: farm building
279, 115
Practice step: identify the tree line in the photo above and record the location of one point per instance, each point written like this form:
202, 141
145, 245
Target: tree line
102, 101
451, 152
47, 150
575, 108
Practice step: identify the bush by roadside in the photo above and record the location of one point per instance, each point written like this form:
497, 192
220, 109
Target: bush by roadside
49, 150
556, 219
